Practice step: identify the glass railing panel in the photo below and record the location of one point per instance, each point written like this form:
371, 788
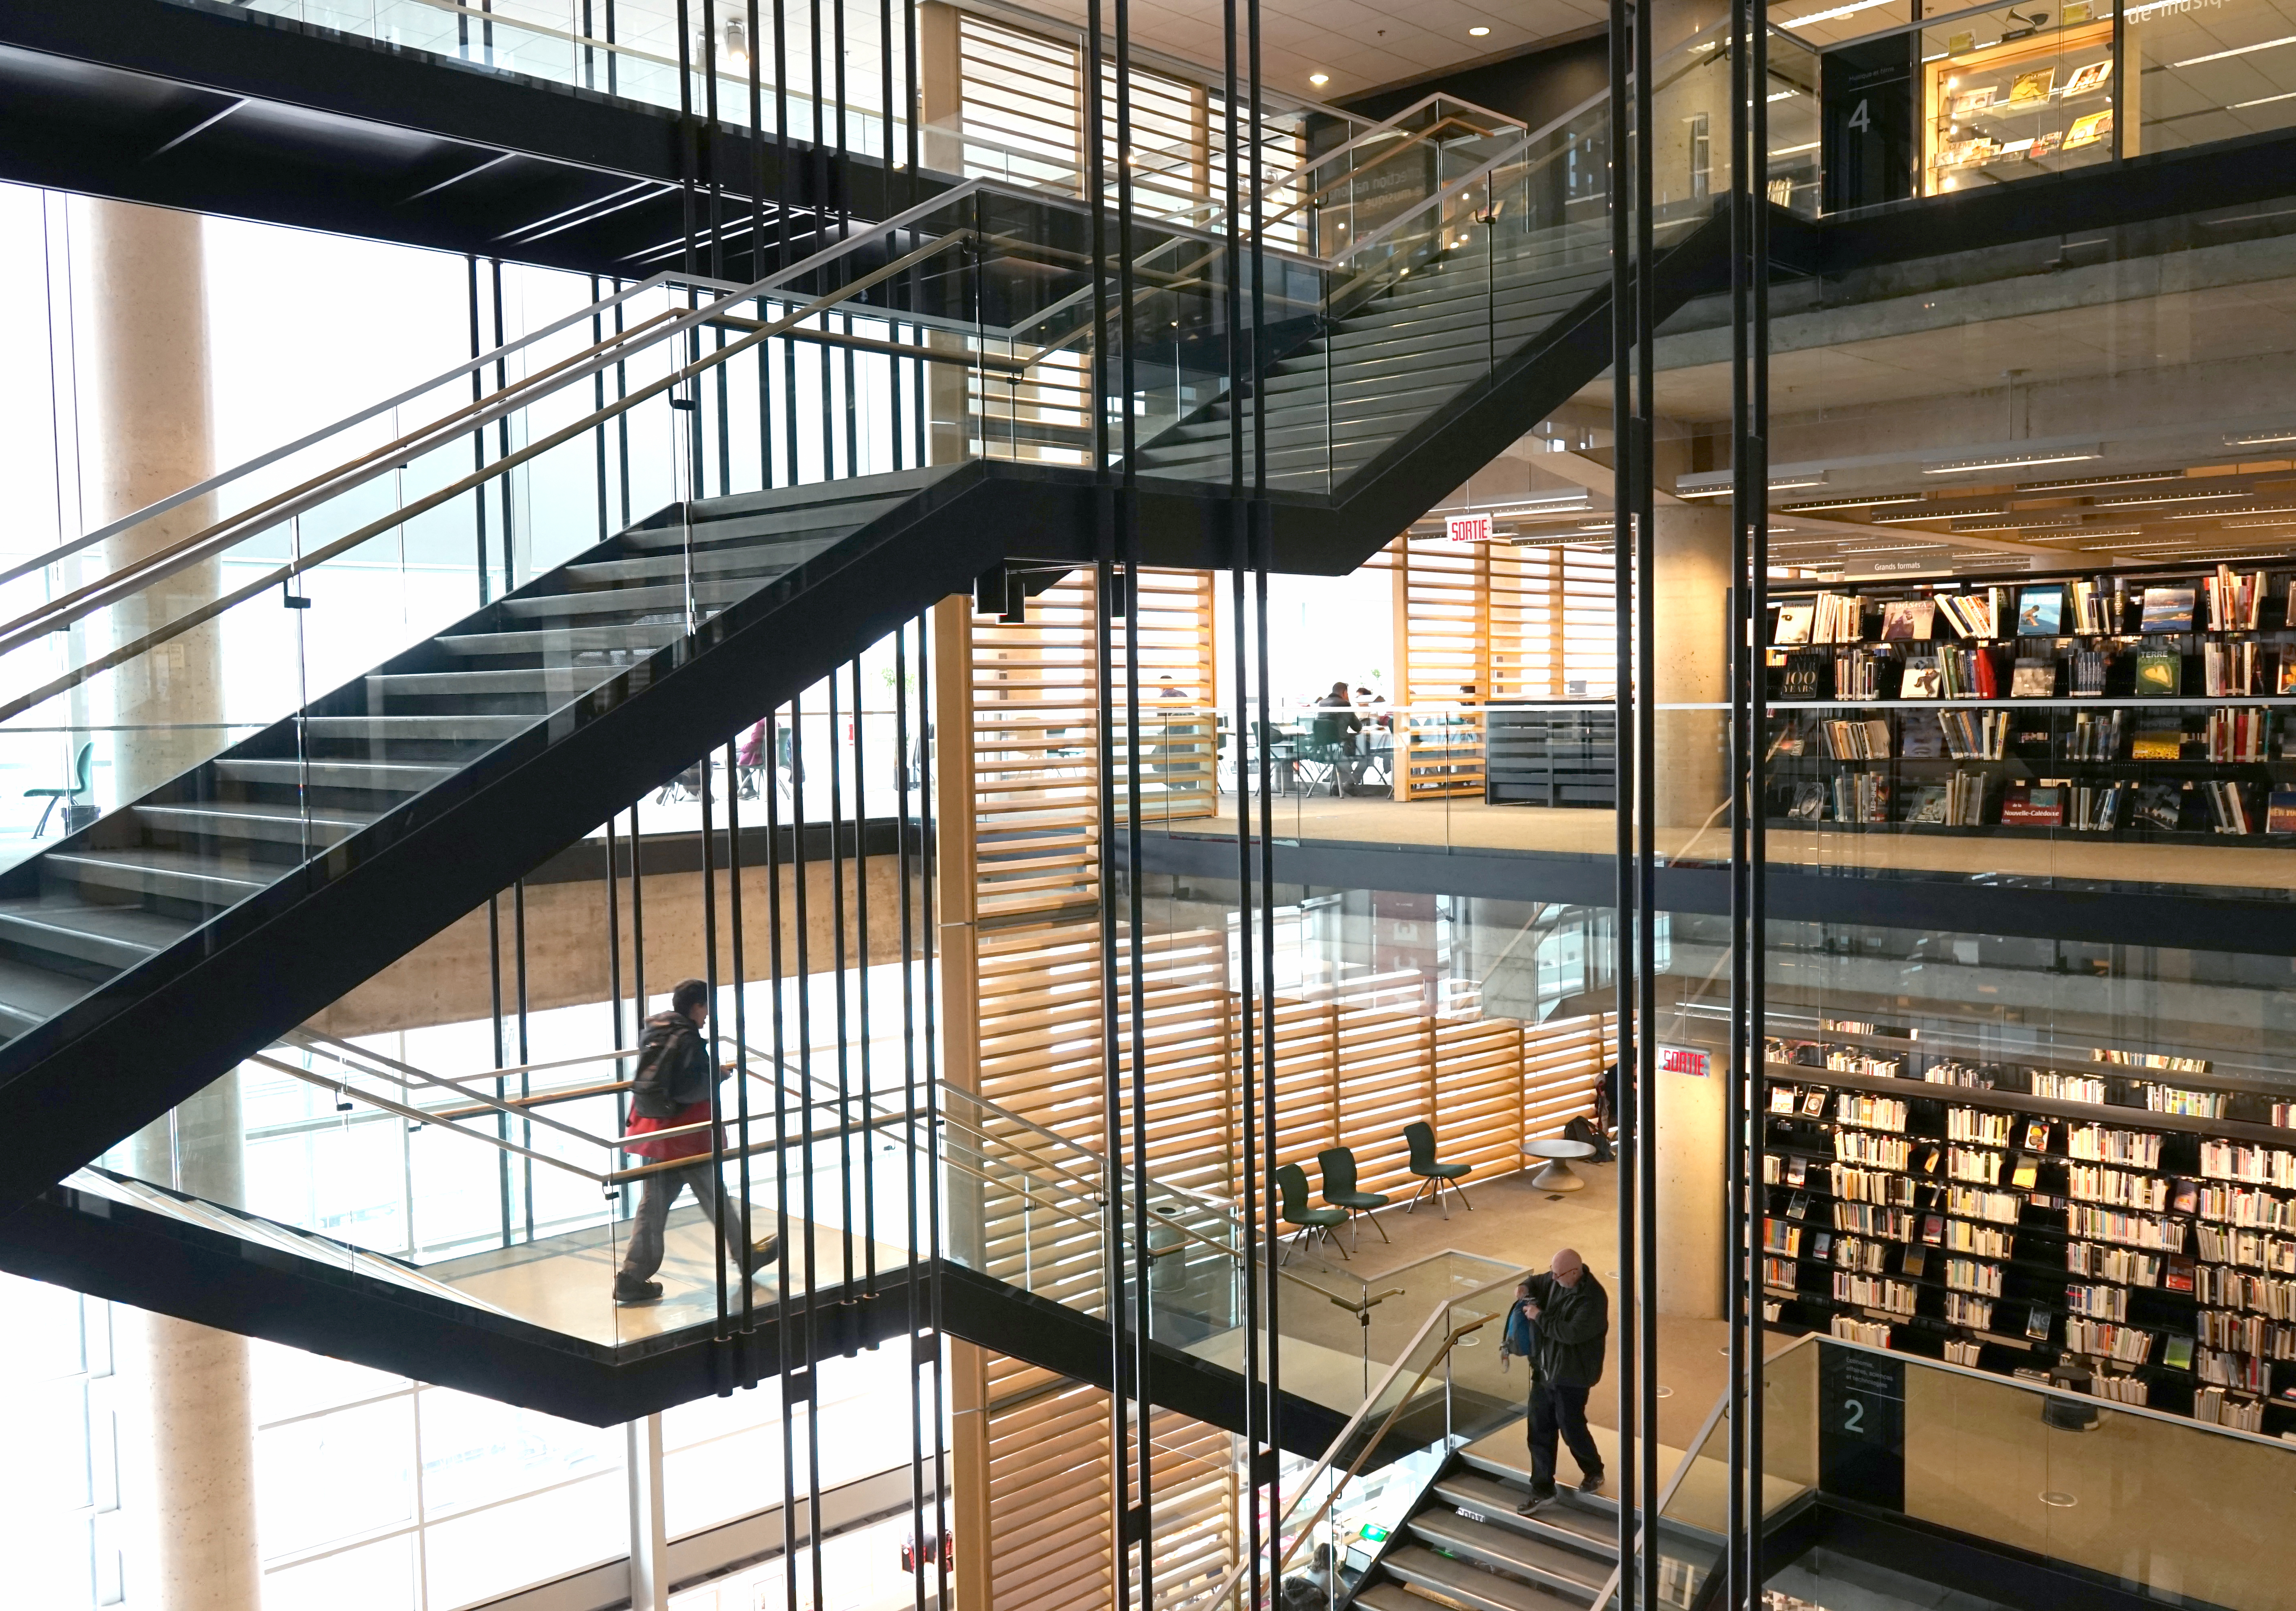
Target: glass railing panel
1795, 172
2198, 73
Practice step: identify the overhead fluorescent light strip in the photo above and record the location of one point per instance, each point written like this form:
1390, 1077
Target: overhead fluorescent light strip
2240, 49
2263, 439
2076, 482
1875, 500
1940, 512
2060, 455
2144, 500
1832, 12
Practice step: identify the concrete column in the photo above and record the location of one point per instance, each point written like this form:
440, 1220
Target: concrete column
146, 291
1691, 548
187, 1468
649, 1523
1693, 1134
187, 1455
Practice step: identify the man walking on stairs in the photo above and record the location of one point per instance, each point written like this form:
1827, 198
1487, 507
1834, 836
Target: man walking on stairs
1561, 1322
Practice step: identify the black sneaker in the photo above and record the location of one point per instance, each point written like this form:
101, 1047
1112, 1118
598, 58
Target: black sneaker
1591, 1484
1537, 1501
628, 1293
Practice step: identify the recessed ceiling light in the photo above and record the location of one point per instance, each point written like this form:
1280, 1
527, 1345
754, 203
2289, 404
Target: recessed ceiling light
1477, 33
1938, 511
2262, 439
2129, 478
2019, 460
1319, 79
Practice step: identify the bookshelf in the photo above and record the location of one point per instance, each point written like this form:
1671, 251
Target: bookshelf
1550, 754
2065, 704
2135, 1221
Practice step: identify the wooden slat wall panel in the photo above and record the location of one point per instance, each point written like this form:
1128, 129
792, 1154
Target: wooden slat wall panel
1443, 643
1050, 1542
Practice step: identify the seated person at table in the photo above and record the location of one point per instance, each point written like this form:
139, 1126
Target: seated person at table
1336, 722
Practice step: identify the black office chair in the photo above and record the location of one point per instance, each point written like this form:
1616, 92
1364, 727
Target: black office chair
1291, 1181
1433, 1176
68, 794
1338, 1167
1283, 754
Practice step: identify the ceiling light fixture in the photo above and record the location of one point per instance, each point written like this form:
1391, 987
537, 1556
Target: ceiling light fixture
2087, 533
1939, 512
1319, 79
2247, 525
1477, 33
1830, 13
1783, 95
2219, 514
2243, 50
2262, 439
2018, 523
2133, 478
2143, 500
2019, 460
2261, 100
1876, 501
1718, 483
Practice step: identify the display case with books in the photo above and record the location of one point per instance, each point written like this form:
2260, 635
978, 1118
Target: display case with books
2128, 1220
2137, 704
2007, 94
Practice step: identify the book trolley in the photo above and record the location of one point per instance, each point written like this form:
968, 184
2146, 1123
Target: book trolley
2140, 705
2125, 1225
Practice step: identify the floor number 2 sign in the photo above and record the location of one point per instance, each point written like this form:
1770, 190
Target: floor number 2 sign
1861, 1435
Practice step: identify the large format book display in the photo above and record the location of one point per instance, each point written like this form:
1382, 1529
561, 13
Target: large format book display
2138, 705
2124, 1226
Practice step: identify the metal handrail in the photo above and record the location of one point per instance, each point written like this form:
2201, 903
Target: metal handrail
1330, 1455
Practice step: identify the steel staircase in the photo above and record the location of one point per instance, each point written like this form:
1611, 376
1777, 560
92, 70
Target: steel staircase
1466, 1546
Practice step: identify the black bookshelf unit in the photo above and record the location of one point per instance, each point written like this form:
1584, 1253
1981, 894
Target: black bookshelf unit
2128, 1230
1560, 754
1922, 708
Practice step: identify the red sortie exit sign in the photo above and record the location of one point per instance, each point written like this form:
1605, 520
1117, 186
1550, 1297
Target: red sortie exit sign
1681, 1060
1468, 528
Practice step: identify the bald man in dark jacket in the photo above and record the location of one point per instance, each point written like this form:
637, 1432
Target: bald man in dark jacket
1561, 1321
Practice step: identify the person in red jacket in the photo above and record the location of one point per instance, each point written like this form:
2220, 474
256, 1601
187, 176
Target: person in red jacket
672, 1091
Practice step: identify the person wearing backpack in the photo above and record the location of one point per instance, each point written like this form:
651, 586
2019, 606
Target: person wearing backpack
672, 1091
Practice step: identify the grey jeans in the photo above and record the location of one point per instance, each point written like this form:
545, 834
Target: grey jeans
644, 1256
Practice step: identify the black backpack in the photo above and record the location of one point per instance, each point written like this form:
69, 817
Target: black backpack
663, 1051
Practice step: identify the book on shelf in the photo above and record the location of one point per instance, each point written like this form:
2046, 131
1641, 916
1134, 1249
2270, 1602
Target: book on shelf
1920, 735
2235, 599
1796, 1171
2280, 817
2158, 744
1965, 794
2040, 610
2176, 1353
2229, 668
1862, 796
1920, 679
1860, 674
1812, 1102
2160, 806
1803, 673
2094, 736
1970, 674
1865, 741
2033, 680
1974, 735
2160, 675
2229, 807
1928, 807
1908, 620
2238, 732
1840, 618
2166, 609
2098, 607
2037, 1322
1794, 624
1788, 740
2093, 809
2286, 682
1977, 613
1808, 803
1915, 1263
2088, 668
2033, 806
2025, 1173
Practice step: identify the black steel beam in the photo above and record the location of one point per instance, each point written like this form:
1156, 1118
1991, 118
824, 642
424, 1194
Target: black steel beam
1945, 903
219, 110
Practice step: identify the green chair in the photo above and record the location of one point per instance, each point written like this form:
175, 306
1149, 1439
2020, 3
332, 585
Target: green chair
67, 795
1338, 1167
1291, 1181
1420, 1138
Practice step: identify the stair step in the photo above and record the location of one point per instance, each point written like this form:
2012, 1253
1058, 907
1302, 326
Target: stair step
207, 880
561, 683
1564, 1569
428, 729
836, 519
377, 777
766, 560
1390, 1596
110, 935
637, 639
1571, 1519
275, 826
1461, 1584
29, 995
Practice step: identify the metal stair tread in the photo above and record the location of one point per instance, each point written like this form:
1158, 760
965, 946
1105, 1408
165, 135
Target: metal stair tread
1567, 1518
172, 863
1472, 1585
128, 928
633, 637
569, 680
222, 816
1556, 1564
396, 777
30, 994
1390, 1596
